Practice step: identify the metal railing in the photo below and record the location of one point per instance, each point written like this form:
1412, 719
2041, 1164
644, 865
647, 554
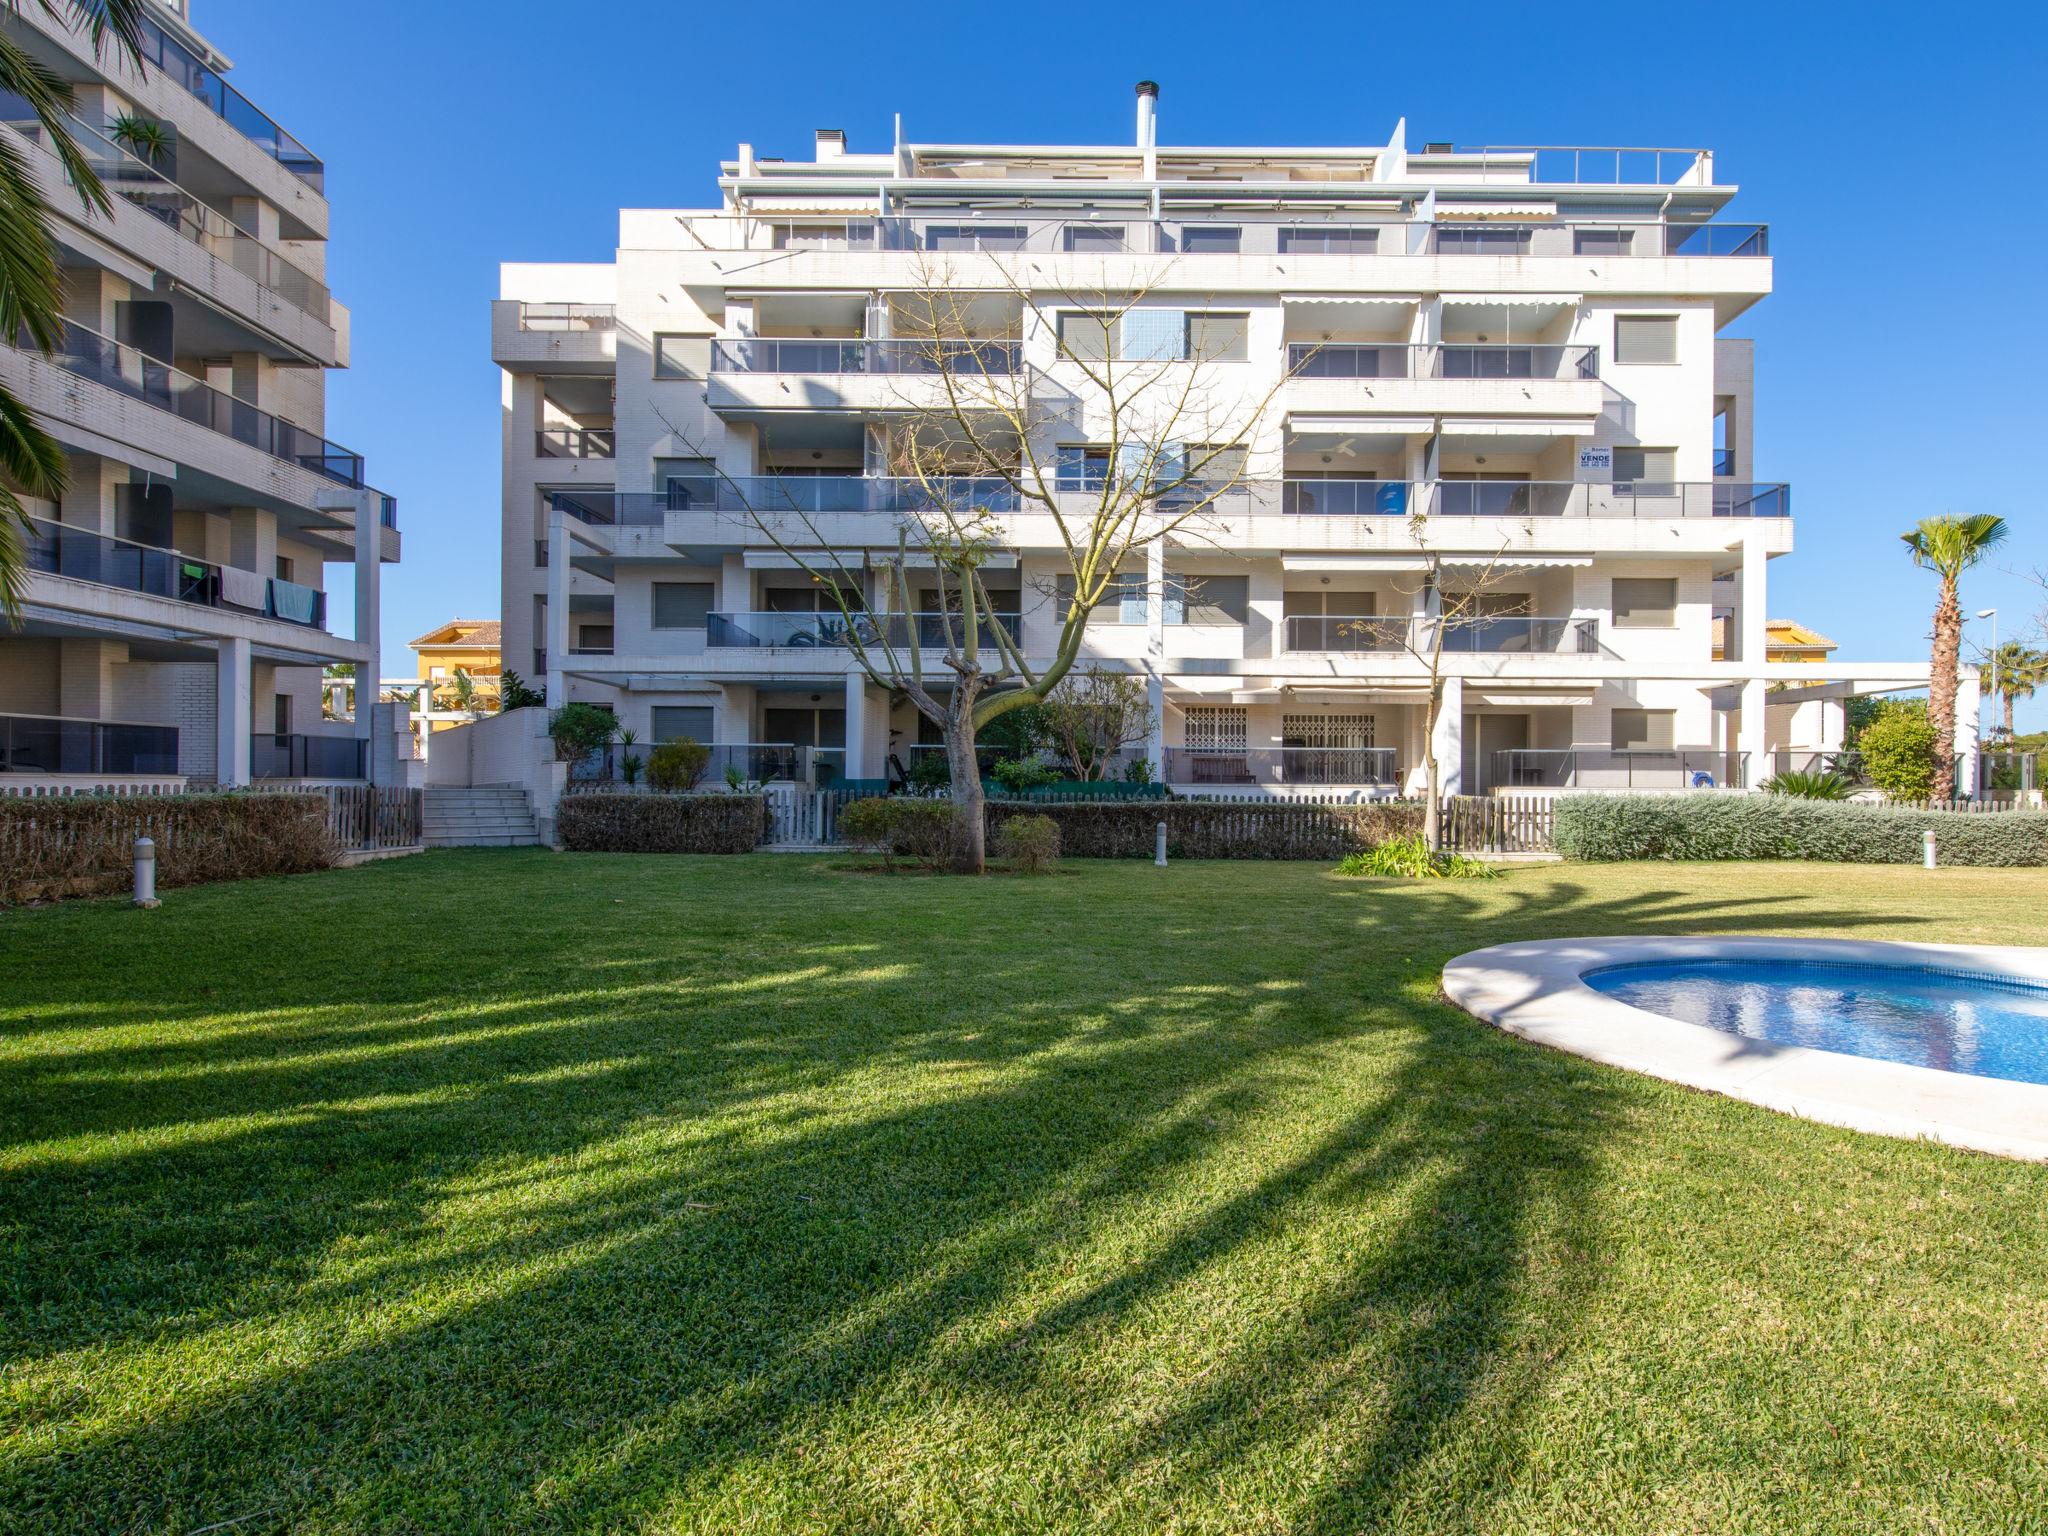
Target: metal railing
1594, 165
891, 357
129, 177
1504, 635
181, 66
567, 317
1282, 765
84, 555
1619, 768
293, 756
814, 631
575, 442
1440, 360
54, 744
128, 371
758, 762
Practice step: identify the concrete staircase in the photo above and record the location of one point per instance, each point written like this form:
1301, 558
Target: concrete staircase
492, 816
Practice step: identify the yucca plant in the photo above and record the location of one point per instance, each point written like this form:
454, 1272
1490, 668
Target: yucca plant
1804, 784
1410, 858
143, 137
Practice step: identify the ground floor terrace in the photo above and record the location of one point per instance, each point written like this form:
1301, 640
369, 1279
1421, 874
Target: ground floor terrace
787, 1197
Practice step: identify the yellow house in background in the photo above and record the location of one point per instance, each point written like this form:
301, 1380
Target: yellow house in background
469, 645
1784, 640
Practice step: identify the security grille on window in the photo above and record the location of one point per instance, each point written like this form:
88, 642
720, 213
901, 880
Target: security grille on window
1328, 731
674, 722
1643, 730
1645, 602
1214, 728
1646, 338
681, 604
1658, 466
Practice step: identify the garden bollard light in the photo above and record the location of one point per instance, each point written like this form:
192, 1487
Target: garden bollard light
1159, 845
1927, 849
145, 872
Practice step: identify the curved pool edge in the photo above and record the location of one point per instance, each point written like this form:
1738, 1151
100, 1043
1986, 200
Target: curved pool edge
1535, 990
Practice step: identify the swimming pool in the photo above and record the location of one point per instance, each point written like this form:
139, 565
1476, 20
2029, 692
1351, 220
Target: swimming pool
1951, 1021
1946, 1042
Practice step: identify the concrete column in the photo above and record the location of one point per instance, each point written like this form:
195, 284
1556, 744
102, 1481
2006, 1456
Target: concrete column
734, 594
1752, 611
252, 540
1155, 657
1750, 739
85, 676
1447, 744
231, 713
557, 638
857, 725
1968, 703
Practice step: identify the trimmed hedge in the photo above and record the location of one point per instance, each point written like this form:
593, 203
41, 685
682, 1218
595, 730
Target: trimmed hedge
56, 847
1729, 826
1204, 829
660, 823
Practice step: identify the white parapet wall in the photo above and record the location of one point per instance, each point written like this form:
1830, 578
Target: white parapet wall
512, 748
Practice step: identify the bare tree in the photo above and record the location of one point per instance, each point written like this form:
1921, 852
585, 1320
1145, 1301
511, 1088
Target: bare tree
1093, 715
972, 441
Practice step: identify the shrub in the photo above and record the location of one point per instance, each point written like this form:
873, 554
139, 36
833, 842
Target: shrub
1409, 858
921, 830
614, 823
513, 693
1898, 749
1031, 843
1230, 829
677, 765
930, 771
84, 845
1803, 785
579, 730
1734, 826
1021, 774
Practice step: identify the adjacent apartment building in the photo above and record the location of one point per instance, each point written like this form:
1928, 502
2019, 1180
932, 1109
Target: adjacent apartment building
1517, 361
176, 620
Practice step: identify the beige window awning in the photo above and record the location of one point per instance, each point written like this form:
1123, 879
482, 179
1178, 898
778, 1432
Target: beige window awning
1355, 563
1523, 300
1393, 299
1473, 210
1355, 426
1514, 560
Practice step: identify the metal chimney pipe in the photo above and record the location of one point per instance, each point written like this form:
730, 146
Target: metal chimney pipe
1148, 113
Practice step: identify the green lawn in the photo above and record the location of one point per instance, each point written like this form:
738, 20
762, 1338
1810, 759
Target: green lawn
493, 1191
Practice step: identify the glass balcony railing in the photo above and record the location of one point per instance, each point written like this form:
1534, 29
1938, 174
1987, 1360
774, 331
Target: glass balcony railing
1504, 635
307, 757
887, 357
1619, 768
1344, 360
128, 371
48, 744
1366, 767
128, 177
567, 317
183, 67
83, 555
835, 631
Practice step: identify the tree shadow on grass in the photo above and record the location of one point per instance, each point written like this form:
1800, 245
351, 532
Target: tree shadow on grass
610, 1256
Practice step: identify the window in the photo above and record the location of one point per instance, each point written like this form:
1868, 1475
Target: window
1328, 732
284, 569
1208, 599
812, 597
682, 357
1603, 242
1153, 335
687, 483
1080, 467
1217, 338
1646, 338
673, 722
1211, 240
1479, 240
974, 237
281, 714
1643, 730
1656, 465
1645, 602
1095, 237
1087, 335
1214, 728
594, 637
1331, 240
681, 604
437, 673
810, 237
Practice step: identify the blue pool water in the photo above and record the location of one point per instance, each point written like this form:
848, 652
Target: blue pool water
1987, 1027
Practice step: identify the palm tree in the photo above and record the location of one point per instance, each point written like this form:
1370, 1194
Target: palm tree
1948, 545
2014, 673
31, 289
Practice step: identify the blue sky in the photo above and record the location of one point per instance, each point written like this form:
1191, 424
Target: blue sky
1900, 363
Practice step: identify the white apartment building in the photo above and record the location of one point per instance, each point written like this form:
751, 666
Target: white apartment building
1527, 346
175, 623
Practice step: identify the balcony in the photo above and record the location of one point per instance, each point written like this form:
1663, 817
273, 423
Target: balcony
966, 356
567, 319
1365, 767
575, 442
1619, 768
1482, 636
101, 360
136, 182
1446, 360
182, 67
1535, 498
307, 757
834, 631
83, 555
50, 744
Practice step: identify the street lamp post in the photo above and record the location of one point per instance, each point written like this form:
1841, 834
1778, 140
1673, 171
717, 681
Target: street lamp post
1992, 691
